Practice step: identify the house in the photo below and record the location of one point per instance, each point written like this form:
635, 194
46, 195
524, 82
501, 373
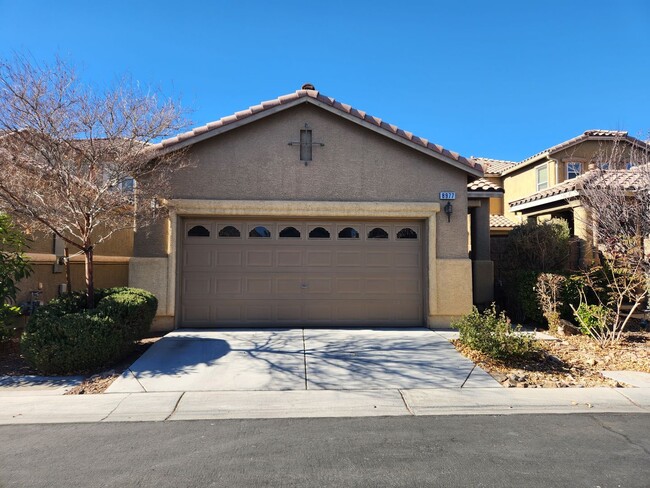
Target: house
306, 211
548, 184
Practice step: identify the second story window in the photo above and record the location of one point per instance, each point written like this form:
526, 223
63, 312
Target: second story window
541, 177
573, 170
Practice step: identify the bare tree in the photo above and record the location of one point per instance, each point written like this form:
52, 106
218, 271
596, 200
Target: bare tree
78, 162
616, 195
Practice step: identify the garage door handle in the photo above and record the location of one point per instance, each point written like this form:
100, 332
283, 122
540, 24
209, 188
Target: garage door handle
304, 286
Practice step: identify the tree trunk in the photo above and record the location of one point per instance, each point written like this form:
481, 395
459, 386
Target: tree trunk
90, 279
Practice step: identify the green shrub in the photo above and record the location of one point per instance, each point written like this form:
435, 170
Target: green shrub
521, 297
133, 310
63, 337
594, 320
491, 333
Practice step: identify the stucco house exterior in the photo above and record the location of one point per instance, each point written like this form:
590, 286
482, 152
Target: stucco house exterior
306, 211
548, 183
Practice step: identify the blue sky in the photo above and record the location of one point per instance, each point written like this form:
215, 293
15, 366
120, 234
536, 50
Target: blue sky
501, 79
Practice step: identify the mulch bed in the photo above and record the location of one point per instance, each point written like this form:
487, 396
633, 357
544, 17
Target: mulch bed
12, 363
572, 361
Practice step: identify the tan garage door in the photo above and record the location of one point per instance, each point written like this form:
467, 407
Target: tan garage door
248, 273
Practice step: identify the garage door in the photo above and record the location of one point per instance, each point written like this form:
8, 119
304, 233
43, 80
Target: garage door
249, 273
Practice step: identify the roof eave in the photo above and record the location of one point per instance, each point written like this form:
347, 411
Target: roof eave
543, 201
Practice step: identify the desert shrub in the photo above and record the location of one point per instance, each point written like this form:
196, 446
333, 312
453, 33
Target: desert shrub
594, 320
64, 337
549, 293
521, 298
540, 247
492, 333
532, 249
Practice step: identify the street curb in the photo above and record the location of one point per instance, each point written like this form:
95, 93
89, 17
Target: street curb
172, 406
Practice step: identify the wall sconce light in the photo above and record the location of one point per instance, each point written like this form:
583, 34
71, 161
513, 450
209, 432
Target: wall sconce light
448, 210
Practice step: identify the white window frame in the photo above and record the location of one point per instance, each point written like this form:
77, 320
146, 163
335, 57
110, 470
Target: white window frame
568, 173
537, 182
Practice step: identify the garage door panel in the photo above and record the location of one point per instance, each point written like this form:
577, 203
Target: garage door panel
290, 258
198, 286
408, 259
199, 257
349, 285
348, 258
228, 285
229, 258
318, 285
379, 259
259, 286
228, 313
318, 258
259, 258
247, 281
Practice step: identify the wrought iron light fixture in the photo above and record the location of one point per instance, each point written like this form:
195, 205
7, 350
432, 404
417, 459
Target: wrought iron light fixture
448, 208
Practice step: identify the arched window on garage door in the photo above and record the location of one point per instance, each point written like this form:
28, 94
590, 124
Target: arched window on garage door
259, 231
377, 233
407, 233
319, 233
229, 231
198, 231
289, 232
348, 233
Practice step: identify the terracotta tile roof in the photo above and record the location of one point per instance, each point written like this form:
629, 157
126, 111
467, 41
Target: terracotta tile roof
316, 96
493, 166
499, 221
626, 180
483, 184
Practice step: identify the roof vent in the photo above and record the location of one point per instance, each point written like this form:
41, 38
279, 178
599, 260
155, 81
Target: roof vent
308, 86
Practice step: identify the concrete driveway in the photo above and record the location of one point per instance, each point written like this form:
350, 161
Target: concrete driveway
301, 359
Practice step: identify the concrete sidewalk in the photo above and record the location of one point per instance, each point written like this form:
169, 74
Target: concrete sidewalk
162, 406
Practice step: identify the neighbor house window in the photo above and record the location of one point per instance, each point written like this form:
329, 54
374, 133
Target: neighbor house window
541, 175
573, 170
604, 166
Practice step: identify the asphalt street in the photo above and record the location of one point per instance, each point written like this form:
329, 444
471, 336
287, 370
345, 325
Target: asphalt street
582, 450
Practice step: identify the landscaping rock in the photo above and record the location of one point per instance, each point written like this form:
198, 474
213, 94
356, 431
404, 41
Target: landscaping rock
566, 328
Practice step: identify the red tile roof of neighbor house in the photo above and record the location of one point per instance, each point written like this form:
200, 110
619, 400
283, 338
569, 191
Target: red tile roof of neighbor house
630, 180
499, 221
494, 166
483, 184
311, 95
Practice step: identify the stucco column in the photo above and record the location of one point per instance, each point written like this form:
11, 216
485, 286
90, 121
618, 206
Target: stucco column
482, 265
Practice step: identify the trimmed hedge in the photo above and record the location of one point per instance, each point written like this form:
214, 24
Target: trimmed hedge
62, 337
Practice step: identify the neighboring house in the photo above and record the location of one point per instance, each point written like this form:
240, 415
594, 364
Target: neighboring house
547, 184
306, 211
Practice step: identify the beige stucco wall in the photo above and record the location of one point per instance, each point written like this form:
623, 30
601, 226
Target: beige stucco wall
523, 183
252, 171
255, 162
108, 272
